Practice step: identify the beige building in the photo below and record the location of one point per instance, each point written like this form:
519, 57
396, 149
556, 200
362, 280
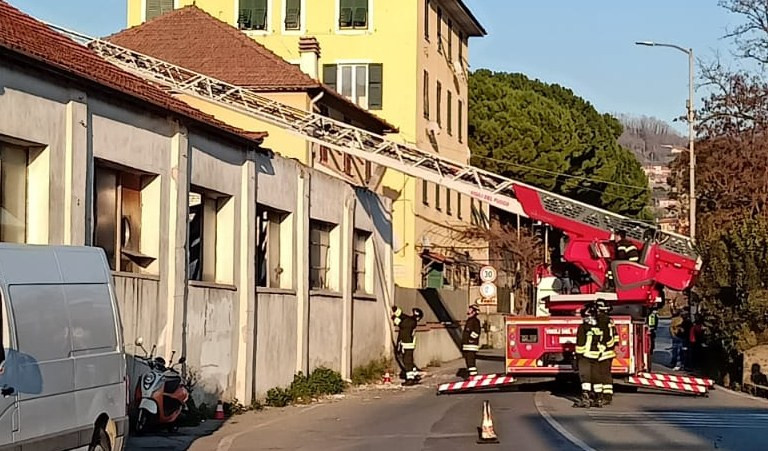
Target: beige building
209, 235
405, 61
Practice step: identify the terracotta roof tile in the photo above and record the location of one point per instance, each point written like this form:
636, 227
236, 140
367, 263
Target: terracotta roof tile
191, 38
24, 35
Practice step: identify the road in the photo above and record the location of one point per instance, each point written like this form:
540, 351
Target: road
533, 417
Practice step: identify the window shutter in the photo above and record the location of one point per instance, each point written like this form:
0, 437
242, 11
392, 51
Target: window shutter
153, 9
329, 75
375, 83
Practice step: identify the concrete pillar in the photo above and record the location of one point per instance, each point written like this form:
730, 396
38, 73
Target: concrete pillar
301, 267
309, 56
246, 281
347, 254
174, 284
77, 160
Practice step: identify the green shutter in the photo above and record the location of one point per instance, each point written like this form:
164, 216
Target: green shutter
435, 276
329, 75
375, 83
292, 14
157, 8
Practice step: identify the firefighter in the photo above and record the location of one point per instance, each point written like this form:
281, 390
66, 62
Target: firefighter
406, 339
623, 250
470, 339
607, 351
588, 338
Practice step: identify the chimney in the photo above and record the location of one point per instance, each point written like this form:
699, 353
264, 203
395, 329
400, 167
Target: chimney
309, 52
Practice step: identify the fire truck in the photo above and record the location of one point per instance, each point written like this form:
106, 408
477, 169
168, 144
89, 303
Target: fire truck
538, 345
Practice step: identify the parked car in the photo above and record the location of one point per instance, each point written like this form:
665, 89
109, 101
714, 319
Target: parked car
63, 383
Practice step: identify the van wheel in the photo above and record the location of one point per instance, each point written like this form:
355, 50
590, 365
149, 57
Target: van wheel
102, 443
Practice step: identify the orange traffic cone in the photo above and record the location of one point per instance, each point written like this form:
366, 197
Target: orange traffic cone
487, 434
219, 415
387, 378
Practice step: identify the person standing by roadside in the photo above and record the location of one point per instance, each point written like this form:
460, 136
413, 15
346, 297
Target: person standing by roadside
406, 340
470, 339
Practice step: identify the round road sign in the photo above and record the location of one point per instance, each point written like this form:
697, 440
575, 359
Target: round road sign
488, 274
488, 290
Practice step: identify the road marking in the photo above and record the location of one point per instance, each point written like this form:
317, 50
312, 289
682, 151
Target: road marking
717, 420
557, 426
226, 443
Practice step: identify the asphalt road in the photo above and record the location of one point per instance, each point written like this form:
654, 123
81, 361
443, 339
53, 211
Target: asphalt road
533, 417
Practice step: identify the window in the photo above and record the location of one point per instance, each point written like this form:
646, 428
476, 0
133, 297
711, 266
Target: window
426, 94
426, 19
449, 113
437, 196
252, 15
450, 40
360, 263
13, 193
204, 209
424, 192
157, 7
293, 14
458, 205
460, 112
448, 201
360, 83
320, 255
41, 311
274, 248
119, 208
353, 14
439, 103
91, 317
439, 30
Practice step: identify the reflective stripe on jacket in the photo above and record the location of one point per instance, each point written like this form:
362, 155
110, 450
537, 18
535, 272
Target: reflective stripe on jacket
588, 341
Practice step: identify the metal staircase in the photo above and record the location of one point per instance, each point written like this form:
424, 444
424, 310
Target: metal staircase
485, 186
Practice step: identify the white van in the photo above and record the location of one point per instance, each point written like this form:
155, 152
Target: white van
63, 382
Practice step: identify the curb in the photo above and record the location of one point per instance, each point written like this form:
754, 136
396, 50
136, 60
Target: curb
554, 424
741, 394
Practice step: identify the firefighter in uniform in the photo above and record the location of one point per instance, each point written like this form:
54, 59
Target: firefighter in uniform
406, 340
470, 339
623, 250
607, 350
588, 343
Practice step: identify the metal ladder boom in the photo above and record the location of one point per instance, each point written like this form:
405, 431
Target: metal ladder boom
485, 186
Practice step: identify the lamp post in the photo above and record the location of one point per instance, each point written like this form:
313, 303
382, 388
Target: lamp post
691, 117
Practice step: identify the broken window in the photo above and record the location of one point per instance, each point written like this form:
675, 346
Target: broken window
118, 216
360, 263
320, 255
274, 249
13, 193
204, 208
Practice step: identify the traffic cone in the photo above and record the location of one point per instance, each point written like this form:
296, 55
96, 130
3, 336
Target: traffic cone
219, 415
387, 378
487, 434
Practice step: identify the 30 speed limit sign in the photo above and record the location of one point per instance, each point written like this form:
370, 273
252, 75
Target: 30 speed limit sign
488, 274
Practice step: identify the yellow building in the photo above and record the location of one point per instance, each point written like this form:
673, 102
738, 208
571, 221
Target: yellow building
406, 62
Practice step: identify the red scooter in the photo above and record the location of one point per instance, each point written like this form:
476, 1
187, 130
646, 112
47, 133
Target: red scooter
161, 394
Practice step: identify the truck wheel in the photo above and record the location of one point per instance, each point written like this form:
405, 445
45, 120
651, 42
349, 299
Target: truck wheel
102, 442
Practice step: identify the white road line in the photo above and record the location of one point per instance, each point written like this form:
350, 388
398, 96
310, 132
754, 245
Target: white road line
557, 426
226, 443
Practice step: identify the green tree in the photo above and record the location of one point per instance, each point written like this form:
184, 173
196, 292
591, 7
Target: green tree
545, 135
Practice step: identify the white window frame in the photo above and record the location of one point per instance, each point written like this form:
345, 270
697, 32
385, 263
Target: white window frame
144, 9
268, 28
302, 20
340, 78
349, 31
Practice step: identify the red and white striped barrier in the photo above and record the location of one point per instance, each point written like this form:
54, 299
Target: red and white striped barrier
668, 385
480, 377
480, 381
679, 379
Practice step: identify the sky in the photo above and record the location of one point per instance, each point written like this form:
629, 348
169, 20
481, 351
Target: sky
587, 45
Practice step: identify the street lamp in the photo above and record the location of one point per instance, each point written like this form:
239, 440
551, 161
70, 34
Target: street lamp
691, 114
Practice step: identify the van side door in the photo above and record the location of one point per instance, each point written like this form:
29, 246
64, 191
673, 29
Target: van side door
9, 411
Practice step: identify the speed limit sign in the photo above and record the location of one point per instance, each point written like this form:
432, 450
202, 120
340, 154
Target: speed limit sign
488, 274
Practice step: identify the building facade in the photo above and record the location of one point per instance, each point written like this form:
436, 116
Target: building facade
251, 265
404, 61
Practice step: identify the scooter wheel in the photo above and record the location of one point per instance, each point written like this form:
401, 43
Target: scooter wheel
140, 425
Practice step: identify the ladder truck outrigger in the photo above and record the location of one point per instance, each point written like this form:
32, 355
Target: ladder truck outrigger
535, 346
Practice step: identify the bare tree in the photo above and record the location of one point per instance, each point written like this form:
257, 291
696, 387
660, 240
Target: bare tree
750, 37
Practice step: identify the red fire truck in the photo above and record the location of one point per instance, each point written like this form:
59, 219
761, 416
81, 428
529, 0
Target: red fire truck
543, 344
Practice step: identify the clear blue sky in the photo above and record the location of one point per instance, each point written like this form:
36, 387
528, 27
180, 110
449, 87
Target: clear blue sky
586, 45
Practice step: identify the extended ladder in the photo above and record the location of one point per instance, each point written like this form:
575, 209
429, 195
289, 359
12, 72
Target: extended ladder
485, 186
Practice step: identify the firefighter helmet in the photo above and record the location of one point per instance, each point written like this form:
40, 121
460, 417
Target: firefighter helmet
417, 313
603, 305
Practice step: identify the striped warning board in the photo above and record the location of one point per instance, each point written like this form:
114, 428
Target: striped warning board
479, 382
659, 384
679, 379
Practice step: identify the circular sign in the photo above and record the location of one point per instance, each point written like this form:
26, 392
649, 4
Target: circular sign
488, 290
488, 274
